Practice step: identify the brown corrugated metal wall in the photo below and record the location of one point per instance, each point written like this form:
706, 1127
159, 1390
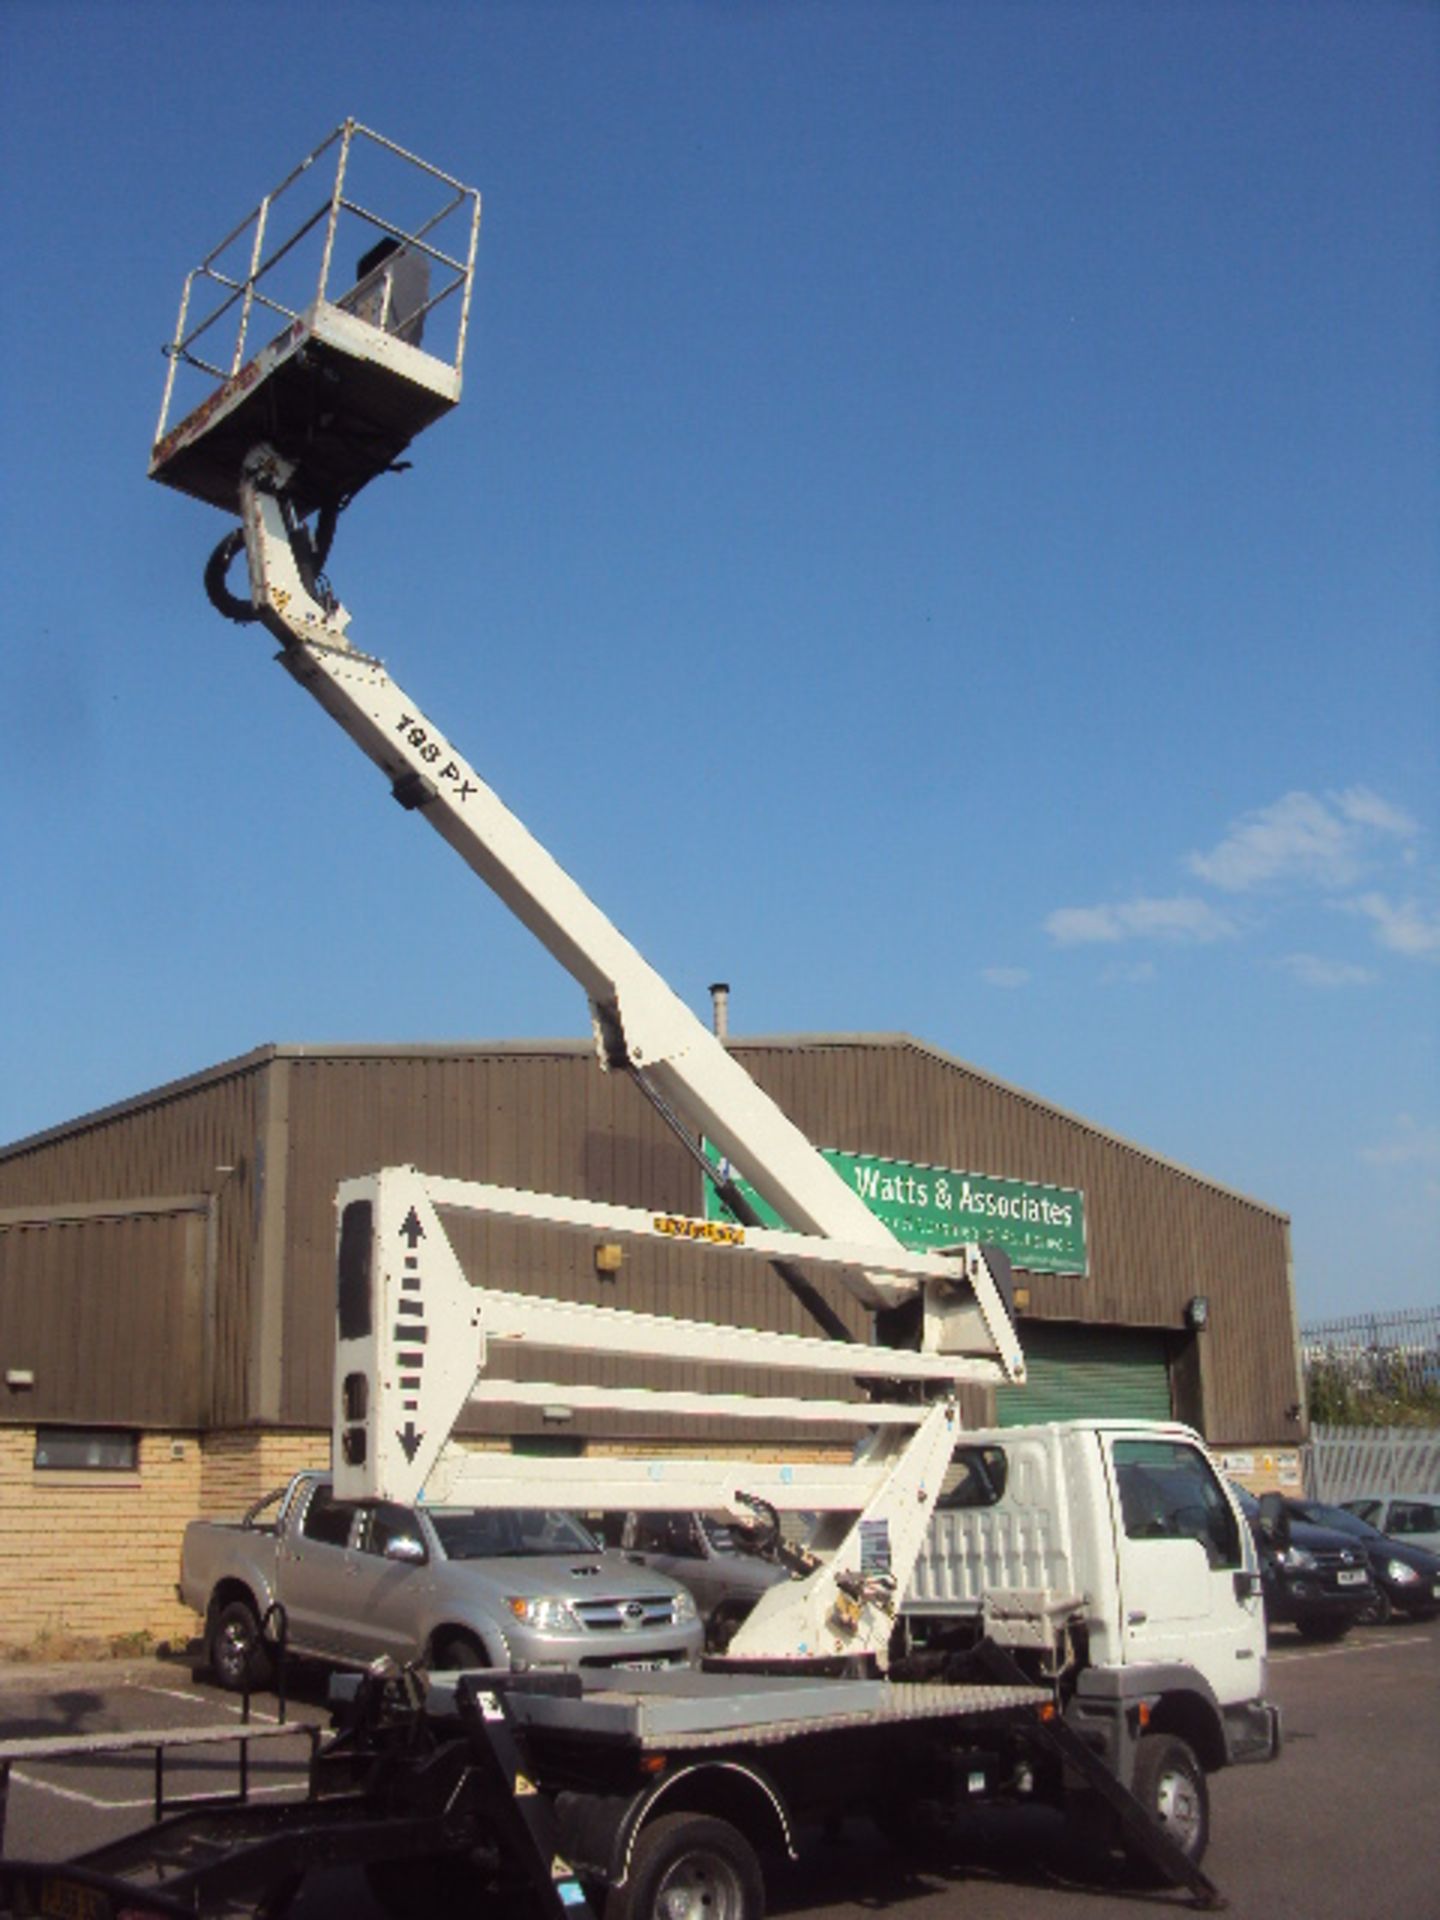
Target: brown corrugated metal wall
267, 1138
107, 1313
200, 1136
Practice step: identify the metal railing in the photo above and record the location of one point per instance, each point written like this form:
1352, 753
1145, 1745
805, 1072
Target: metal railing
244, 274
1372, 1356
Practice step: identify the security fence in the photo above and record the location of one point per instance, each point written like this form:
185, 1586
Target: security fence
1341, 1463
1374, 1369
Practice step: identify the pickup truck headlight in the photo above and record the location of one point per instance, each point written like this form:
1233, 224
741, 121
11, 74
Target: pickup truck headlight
1402, 1575
545, 1615
1298, 1559
685, 1610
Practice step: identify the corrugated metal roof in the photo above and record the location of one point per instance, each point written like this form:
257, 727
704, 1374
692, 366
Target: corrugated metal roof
476, 1049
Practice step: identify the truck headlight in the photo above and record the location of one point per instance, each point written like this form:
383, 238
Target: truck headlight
684, 1609
545, 1615
1298, 1559
1400, 1573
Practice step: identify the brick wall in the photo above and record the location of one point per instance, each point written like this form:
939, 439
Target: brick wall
240, 1468
90, 1559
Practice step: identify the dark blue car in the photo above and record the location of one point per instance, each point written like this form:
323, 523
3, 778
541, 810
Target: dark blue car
1406, 1577
1313, 1578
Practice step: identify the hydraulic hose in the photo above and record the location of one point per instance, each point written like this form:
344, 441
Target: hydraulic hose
217, 591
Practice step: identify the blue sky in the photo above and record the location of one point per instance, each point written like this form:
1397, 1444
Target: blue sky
941, 533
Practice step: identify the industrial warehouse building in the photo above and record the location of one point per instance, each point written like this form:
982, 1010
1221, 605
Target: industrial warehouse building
167, 1277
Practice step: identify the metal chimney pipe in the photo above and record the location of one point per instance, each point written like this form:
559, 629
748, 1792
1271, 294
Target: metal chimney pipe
720, 1003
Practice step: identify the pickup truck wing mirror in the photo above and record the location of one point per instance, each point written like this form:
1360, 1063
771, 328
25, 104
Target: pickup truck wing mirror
405, 1548
1275, 1520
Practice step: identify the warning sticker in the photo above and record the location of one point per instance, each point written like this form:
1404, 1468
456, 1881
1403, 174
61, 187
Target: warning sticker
874, 1547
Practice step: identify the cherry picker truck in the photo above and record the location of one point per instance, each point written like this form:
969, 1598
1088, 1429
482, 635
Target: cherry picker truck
645, 1795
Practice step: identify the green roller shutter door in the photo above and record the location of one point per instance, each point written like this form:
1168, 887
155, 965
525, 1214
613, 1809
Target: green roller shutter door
1095, 1373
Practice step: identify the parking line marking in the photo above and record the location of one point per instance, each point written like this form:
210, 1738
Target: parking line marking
129, 1806
175, 1693
225, 1705
1368, 1646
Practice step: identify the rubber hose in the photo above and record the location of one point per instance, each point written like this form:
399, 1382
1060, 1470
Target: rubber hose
216, 591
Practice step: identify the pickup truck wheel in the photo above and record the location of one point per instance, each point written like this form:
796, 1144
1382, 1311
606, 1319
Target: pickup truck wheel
1170, 1783
687, 1866
457, 1652
237, 1652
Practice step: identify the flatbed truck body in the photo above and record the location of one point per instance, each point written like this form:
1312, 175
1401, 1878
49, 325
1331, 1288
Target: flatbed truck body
592, 1796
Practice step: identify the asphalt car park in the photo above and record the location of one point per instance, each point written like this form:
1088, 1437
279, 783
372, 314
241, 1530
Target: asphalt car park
1340, 1824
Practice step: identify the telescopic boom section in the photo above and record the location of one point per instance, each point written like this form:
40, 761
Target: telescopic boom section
640, 1023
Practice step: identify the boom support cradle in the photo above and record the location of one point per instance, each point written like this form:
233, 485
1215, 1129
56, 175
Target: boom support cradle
415, 1339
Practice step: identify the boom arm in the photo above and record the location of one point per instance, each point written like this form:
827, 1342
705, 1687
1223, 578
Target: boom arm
639, 1023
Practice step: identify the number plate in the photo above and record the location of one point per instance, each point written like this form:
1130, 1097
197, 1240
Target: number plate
1351, 1576
642, 1666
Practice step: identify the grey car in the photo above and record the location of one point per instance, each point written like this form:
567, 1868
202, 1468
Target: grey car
525, 1588
703, 1553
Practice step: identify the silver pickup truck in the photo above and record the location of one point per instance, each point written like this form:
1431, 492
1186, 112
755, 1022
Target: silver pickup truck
452, 1587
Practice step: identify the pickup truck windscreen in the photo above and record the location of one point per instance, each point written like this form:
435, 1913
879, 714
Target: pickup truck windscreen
509, 1532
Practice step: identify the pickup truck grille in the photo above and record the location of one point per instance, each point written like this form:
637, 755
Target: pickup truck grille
639, 1614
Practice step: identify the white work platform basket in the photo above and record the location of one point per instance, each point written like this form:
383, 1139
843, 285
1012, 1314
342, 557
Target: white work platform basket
330, 324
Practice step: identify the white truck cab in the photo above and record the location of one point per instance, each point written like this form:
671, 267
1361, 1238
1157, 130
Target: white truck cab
1128, 1526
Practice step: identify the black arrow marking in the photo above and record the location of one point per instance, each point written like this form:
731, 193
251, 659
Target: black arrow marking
410, 1440
412, 1229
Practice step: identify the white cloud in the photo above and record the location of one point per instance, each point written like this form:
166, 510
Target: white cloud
1316, 972
1404, 926
1005, 976
1121, 973
1179, 919
1412, 1144
1367, 809
1303, 839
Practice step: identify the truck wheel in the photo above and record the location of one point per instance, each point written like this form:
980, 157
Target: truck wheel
1170, 1783
457, 1652
237, 1652
687, 1866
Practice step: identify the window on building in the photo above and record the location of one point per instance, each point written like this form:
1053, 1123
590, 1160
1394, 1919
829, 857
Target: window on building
86, 1450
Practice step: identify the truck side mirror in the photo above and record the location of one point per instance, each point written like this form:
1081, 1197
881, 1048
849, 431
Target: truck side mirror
1275, 1521
405, 1548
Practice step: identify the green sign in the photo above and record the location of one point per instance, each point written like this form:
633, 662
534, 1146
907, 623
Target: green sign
1041, 1228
